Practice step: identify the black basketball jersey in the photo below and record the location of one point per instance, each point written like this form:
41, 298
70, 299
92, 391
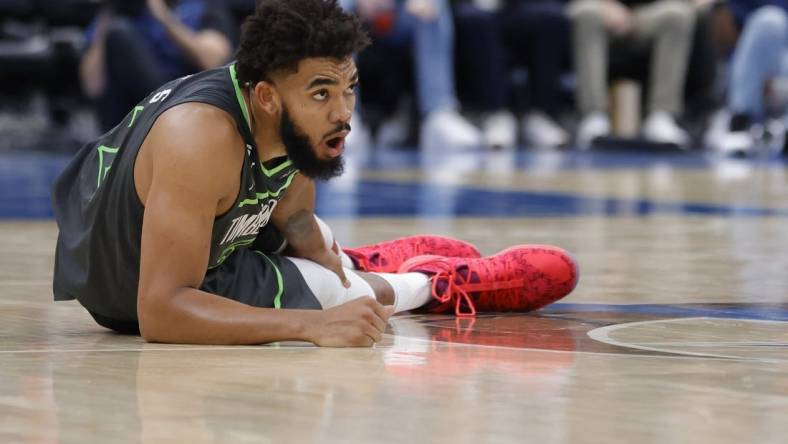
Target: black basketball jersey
99, 214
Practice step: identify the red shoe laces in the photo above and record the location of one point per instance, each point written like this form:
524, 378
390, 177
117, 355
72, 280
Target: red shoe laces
458, 286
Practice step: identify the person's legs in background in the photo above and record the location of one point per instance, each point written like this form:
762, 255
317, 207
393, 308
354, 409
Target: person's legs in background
590, 55
433, 53
780, 92
385, 71
669, 25
756, 59
537, 35
701, 96
426, 37
484, 82
132, 73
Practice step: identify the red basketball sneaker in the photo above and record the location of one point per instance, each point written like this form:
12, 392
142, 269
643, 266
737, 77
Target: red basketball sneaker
522, 278
386, 257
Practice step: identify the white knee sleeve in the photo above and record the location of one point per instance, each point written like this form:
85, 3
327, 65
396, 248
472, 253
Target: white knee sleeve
411, 290
327, 287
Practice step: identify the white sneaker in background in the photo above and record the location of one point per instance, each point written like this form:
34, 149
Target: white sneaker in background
734, 143
728, 143
542, 131
775, 132
719, 124
661, 127
448, 129
500, 130
593, 126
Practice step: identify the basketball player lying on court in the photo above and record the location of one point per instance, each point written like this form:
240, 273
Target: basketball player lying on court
172, 224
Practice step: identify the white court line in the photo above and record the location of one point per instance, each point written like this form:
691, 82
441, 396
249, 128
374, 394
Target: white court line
308, 346
115, 350
720, 344
28, 283
602, 334
532, 349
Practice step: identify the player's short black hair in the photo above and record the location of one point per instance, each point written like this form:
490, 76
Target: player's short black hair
281, 33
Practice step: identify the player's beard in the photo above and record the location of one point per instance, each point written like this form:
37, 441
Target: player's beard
302, 154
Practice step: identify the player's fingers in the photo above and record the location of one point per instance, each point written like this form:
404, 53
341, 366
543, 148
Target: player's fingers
340, 271
375, 334
377, 322
384, 312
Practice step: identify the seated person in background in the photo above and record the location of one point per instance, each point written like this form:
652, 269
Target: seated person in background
760, 56
134, 46
425, 28
668, 26
494, 35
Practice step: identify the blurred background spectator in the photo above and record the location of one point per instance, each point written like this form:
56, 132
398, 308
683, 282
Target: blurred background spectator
134, 46
493, 37
42, 44
413, 50
39, 88
70, 69
758, 86
666, 26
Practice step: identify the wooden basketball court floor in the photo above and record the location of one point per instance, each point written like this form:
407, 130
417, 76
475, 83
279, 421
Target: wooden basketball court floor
677, 332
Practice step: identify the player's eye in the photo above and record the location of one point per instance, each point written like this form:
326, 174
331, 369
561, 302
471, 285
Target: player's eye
320, 95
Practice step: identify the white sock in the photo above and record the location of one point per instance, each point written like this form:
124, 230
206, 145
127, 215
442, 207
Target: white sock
411, 290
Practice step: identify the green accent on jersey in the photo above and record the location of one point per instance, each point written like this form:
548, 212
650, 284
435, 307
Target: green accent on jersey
268, 193
279, 284
134, 114
102, 169
240, 96
229, 250
277, 169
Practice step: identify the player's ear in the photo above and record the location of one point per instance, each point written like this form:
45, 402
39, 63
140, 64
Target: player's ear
268, 97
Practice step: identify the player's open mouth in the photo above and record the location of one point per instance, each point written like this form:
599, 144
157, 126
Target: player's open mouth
336, 145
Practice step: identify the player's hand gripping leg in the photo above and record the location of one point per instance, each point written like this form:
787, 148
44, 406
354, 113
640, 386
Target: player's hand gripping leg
358, 323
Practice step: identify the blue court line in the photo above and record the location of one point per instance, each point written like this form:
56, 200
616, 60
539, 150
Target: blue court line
383, 198
25, 182
388, 159
761, 312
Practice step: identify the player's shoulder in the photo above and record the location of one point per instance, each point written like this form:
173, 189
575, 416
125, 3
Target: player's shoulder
197, 127
197, 137
199, 117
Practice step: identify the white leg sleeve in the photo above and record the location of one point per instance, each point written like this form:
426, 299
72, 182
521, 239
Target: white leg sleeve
328, 239
327, 287
411, 290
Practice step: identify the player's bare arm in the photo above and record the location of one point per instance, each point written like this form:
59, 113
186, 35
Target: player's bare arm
295, 219
184, 183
